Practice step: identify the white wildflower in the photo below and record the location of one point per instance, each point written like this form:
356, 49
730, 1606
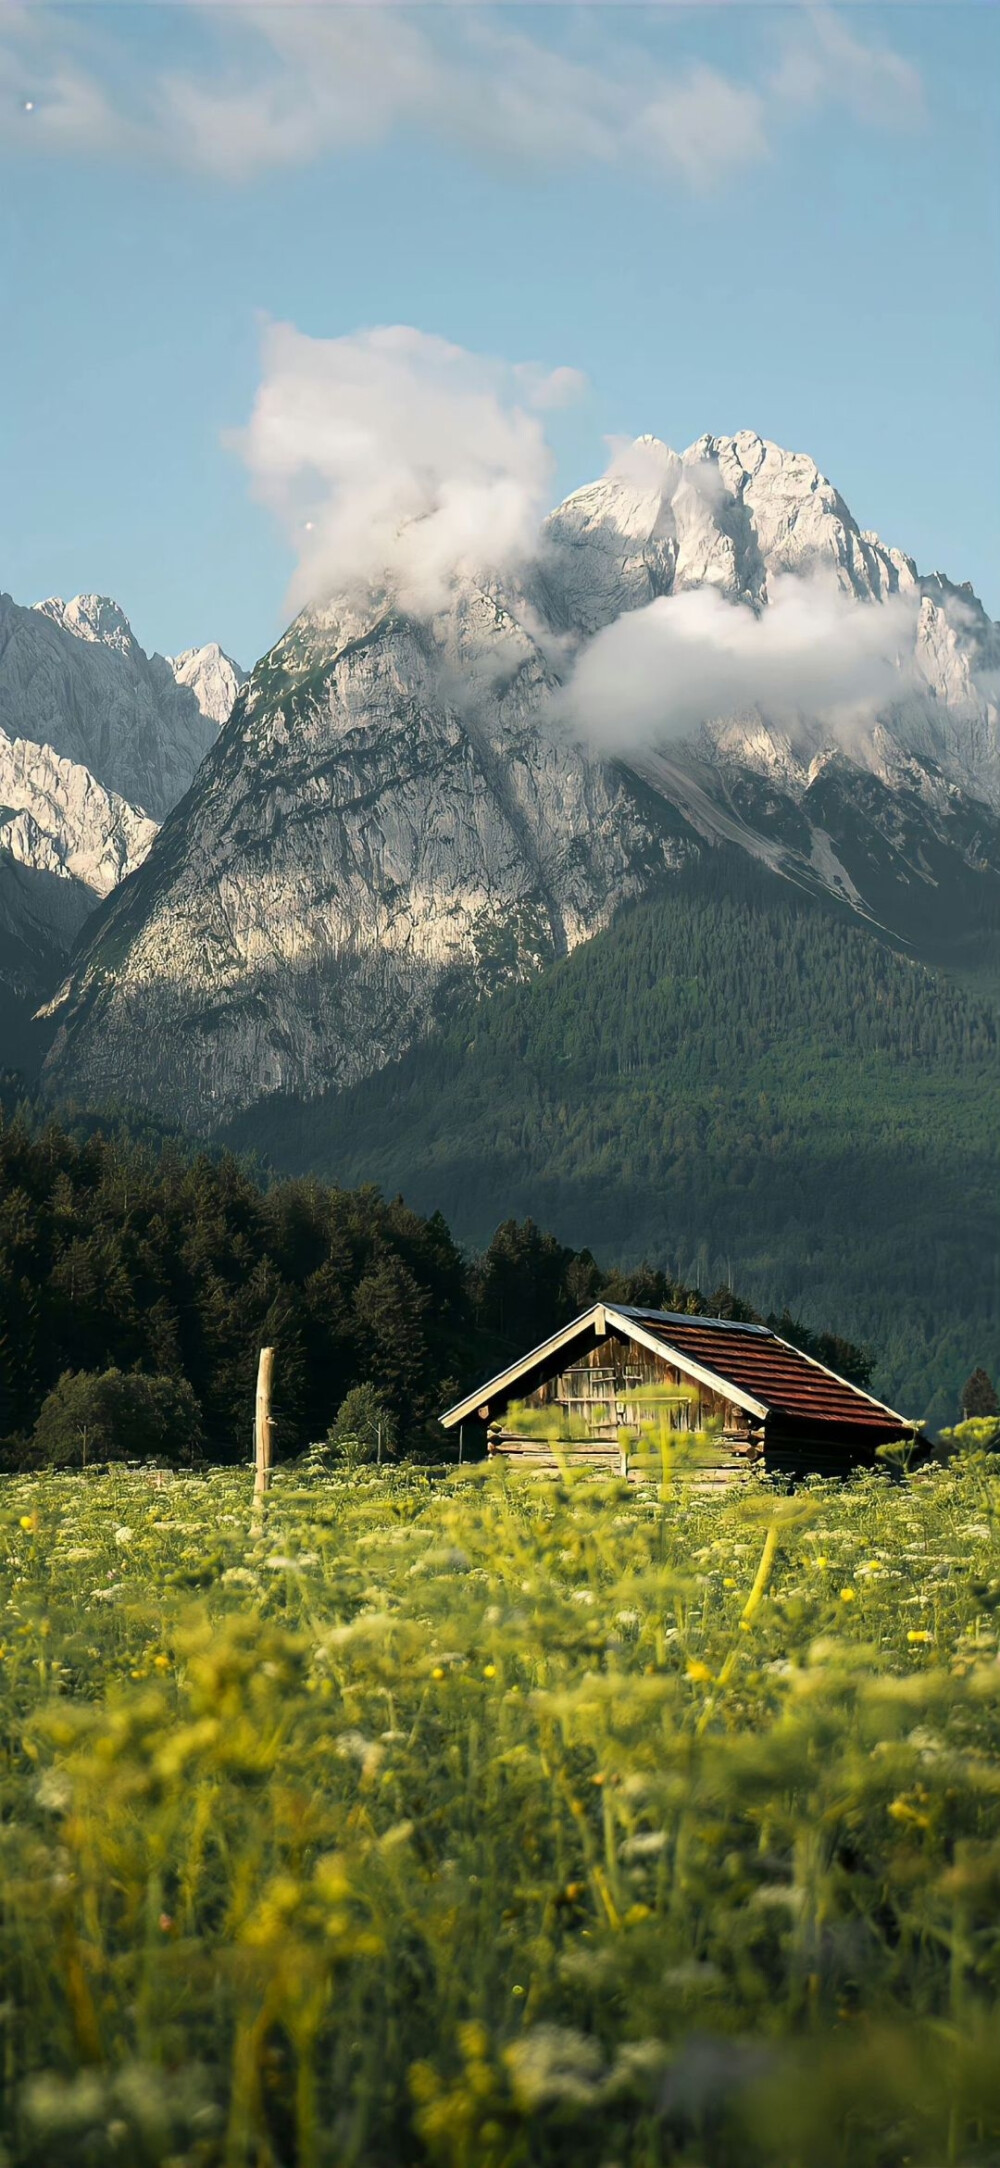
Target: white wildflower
553, 2064
54, 1791
645, 1845
353, 1746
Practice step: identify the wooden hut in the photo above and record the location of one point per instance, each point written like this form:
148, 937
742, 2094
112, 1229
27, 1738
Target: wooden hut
759, 1401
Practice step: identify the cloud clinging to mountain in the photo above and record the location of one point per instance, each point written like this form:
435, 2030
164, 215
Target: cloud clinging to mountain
394, 460
391, 457
814, 652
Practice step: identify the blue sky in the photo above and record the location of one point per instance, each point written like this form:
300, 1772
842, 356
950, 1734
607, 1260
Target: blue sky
758, 217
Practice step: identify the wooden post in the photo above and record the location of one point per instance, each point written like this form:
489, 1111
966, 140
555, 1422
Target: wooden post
262, 1423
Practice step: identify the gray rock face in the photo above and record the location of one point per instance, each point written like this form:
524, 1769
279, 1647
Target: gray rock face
56, 818
213, 677
92, 731
370, 833
734, 514
73, 677
394, 813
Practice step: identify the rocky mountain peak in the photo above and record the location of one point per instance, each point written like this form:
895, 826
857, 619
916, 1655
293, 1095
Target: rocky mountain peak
728, 513
91, 617
612, 545
73, 677
397, 812
213, 677
96, 738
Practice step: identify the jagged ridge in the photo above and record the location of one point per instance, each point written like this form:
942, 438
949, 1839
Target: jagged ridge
92, 732
393, 814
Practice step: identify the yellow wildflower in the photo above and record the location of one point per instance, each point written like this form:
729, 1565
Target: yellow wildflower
901, 1811
698, 1671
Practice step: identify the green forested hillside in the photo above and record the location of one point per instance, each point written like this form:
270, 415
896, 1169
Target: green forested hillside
113, 1254
736, 1083
137, 1259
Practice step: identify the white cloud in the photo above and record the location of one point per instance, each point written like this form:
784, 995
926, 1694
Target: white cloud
395, 459
705, 125
284, 85
812, 654
49, 95
391, 457
825, 62
297, 82
548, 388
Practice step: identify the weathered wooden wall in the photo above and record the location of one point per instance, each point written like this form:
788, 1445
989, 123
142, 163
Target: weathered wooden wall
600, 1389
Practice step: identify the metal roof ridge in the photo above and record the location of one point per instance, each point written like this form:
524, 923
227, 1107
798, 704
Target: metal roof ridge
687, 1317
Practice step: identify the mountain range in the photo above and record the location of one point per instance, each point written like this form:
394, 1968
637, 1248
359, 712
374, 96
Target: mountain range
413, 901
400, 810
97, 741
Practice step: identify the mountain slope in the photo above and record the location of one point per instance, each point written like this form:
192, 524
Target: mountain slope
92, 731
734, 1081
355, 847
398, 810
73, 676
55, 817
40, 917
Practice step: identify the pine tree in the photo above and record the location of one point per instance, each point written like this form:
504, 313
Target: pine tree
979, 1395
364, 1422
389, 1307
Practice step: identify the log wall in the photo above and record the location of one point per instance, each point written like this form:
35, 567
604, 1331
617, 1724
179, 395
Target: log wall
600, 1389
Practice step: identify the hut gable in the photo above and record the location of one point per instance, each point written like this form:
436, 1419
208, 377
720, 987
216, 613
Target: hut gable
764, 1398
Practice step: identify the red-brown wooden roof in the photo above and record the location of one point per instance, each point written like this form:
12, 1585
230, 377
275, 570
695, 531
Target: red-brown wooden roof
759, 1363
764, 1374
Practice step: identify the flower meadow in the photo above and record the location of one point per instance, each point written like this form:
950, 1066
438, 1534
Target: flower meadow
498, 1819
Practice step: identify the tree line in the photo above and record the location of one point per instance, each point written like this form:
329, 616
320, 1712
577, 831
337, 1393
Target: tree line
160, 1273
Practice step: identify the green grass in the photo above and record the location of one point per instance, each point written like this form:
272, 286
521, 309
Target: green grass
499, 1821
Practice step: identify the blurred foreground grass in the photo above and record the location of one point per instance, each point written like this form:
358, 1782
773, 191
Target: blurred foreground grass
499, 1821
